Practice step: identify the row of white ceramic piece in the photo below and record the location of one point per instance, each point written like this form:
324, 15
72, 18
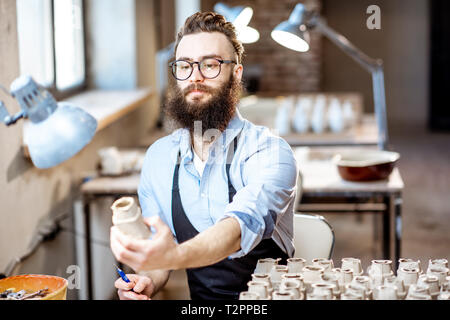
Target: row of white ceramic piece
309, 114
322, 281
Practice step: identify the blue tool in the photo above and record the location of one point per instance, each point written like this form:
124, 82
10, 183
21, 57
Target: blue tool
122, 274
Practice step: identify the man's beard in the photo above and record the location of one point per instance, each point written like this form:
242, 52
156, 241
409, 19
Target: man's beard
215, 113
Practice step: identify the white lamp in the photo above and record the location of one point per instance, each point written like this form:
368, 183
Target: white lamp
56, 132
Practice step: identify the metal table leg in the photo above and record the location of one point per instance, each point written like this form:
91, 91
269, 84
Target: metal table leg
387, 229
87, 224
398, 201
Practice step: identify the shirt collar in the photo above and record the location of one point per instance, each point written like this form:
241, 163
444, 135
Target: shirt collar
233, 128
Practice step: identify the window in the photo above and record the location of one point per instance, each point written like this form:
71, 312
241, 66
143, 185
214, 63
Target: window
51, 43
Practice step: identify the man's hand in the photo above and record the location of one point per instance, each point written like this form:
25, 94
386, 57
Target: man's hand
139, 288
159, 252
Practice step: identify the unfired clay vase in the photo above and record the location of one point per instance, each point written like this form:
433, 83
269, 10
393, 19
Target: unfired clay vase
294, 286
335, 116
409, 264
325, 263
344, 276
263, 277
111, 162
319, 121
265, 265
418, 290
259, 287
409, 276
326, 289
438, 262
128, 218
440, 272
379, 270
311, 274
352, 263
332, 279
296, 265
401, 289
350, 118
351, 296
302, 115
385, 293
275, 275
282, 295
364, 281
432, 282
245, 295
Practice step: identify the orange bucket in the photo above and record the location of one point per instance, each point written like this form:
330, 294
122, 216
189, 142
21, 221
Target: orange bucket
57, 286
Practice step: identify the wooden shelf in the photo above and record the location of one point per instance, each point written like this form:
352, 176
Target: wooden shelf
108, 106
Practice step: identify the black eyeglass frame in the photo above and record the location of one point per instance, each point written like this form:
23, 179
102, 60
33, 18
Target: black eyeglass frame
192, 63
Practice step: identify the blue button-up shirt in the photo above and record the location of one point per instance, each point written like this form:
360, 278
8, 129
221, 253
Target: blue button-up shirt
263, 172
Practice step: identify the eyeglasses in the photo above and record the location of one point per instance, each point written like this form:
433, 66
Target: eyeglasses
209, 68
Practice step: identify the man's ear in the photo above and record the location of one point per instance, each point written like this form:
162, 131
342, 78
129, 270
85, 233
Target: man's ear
238, 70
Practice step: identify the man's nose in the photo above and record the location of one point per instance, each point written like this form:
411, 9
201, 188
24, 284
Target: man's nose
196, 75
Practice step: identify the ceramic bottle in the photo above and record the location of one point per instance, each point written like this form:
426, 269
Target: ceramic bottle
128, 218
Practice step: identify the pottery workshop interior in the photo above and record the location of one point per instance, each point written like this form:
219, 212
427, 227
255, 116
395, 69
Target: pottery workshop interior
243, 149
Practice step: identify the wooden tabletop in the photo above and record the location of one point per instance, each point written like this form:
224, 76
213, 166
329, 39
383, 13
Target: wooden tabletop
320, 174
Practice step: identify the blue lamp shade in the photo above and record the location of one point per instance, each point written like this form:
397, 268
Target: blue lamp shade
56, 131
292, 33
240, 17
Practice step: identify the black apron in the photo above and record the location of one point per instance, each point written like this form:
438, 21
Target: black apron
227, 278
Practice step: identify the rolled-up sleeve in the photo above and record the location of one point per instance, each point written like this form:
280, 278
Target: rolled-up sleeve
269, 177
147, 198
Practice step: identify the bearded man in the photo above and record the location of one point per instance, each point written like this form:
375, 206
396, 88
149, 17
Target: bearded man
218, 193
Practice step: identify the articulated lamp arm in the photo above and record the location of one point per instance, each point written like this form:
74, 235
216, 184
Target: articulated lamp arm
374, 66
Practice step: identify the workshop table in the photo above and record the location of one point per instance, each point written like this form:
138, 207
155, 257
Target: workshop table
324, 191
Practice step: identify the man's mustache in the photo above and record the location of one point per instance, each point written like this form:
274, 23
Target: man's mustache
197, 86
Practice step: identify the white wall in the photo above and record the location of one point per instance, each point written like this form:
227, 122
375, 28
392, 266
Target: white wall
112, 43
183, 9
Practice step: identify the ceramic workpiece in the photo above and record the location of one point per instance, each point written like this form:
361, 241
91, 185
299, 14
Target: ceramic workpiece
344, 276
302, 115
332, 279
395, 282
275, 275
296, 265
409, 276
261, 288
356, 289
245, 295
265, 265
440, 272
379, 270
312, 274
351, 296
365, 282
128, 218
293, 286
444, 296
409, 264
327, 264
432, 282
262, 277
416, 290
283, 295
384, 292
326, 289
335, 116
353, 264
319, 116
111, 162
438, 263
